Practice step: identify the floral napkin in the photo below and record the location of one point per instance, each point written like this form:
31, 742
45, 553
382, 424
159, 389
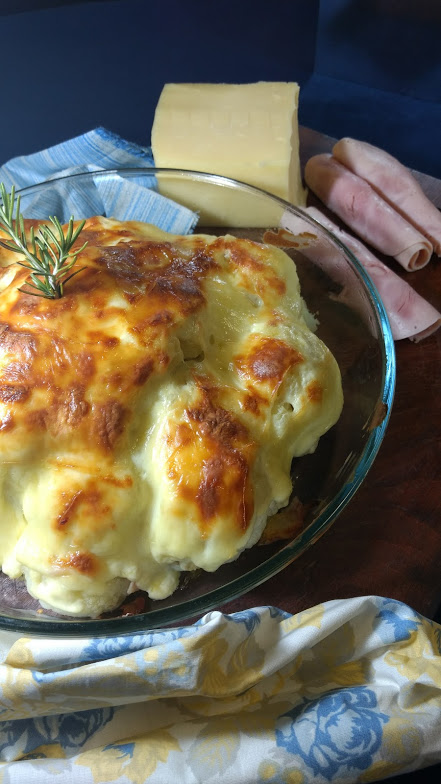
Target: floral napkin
347, 691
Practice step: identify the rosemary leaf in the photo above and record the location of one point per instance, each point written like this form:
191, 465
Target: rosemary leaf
48, 253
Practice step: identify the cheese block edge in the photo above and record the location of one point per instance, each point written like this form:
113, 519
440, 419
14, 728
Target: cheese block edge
245, 131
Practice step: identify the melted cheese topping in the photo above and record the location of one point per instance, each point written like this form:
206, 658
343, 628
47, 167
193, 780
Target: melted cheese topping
149, 417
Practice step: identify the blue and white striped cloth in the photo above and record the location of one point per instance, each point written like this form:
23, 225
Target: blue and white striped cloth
96, 150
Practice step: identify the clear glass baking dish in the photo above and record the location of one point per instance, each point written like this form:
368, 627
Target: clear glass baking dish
351, 320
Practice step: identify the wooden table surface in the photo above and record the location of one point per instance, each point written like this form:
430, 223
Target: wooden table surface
388, 539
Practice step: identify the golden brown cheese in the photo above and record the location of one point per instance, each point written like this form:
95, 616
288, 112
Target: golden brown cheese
149, 417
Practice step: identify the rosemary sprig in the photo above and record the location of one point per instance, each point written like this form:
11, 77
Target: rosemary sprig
47, 254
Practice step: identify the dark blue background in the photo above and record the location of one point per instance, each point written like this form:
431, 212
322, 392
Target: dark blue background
367, 68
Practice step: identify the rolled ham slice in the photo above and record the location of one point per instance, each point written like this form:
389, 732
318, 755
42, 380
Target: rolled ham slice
410, 315
394, 183
366, 212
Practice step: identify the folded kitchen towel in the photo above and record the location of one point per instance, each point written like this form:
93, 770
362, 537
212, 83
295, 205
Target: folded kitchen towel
347, 691
134, 198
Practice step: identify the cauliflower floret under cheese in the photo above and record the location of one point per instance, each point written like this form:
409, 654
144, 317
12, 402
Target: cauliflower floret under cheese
149, 417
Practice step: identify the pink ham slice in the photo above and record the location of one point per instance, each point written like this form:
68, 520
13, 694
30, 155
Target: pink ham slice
394, 183
365, 212
410, 315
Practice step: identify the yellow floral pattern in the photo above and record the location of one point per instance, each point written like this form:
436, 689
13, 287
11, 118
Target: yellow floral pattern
346, 691
136, 759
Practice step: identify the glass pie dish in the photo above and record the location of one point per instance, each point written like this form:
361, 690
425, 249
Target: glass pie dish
351, 320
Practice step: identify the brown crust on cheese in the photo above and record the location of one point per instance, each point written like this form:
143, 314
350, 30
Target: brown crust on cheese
10, 393
314, 392
82, 562
87, 505
64, 370
6, 423
244, 256
63, 518
214, 452
254, 403
266, 361
108, 423
282, 238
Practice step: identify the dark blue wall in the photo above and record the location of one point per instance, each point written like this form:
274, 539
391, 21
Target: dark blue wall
79, 65
378, 76
367, 68
393, 45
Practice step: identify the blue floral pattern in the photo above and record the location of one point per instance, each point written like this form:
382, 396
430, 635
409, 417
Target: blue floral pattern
249, 618
99, 648
70, 730
342, 729
395, 622
252, 618
125, 749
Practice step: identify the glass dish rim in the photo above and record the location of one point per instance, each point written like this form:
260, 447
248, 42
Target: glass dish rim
186, 611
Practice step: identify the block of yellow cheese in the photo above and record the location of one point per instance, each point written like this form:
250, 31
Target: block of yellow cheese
245, 131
